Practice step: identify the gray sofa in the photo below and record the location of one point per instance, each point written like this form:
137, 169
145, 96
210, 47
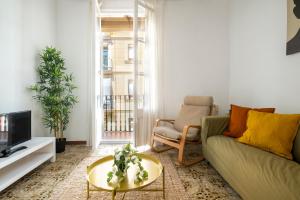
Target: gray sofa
253, 173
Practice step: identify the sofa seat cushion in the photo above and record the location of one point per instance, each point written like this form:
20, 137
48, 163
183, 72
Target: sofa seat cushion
250, 169
173, 134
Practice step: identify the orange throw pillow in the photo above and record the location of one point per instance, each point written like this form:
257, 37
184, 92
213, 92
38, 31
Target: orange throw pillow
238, 119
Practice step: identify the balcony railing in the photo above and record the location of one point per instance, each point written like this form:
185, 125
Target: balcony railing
118, 113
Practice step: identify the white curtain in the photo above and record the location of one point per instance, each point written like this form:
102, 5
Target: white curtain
153, 71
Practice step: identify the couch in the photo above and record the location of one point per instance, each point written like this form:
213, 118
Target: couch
253, 173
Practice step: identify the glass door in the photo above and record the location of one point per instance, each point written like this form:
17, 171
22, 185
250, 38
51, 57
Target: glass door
122, 75
141, 71
118, 77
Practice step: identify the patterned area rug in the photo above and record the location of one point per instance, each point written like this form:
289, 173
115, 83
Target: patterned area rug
39, 184
200, 181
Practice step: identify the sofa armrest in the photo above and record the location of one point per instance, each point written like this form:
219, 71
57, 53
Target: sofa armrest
213, 125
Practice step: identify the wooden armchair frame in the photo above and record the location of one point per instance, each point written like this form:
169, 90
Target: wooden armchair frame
178, 144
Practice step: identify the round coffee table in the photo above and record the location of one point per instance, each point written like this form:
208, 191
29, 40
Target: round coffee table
97, 176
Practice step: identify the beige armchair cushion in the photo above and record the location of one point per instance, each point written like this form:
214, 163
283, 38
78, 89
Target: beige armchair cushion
168, 132
172, 133
198, 100
190, 115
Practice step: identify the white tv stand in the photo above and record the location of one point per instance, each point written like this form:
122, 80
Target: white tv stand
14, 167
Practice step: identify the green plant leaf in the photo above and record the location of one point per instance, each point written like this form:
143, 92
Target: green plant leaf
54, 90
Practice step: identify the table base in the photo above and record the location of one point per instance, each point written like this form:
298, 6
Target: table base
114, 192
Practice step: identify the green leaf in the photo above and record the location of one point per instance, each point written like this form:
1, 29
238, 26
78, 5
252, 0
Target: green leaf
109, 176
54, 89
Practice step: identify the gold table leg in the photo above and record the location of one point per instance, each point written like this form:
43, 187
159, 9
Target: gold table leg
113, 194
88, 190
164, 195
87, 185
124, 196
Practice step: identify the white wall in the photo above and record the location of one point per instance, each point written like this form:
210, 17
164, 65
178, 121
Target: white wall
196, 53
73, 35
260, 72
26, 27
198, 35
196, 44
196, 57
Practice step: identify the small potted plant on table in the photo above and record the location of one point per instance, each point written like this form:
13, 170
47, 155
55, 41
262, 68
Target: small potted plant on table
54, 91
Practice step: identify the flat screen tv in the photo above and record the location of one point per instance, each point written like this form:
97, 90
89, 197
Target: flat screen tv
15, 128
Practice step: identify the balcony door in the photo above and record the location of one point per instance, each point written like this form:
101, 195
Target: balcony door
123, 77
117, 65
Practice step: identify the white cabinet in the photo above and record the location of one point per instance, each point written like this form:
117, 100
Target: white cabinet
14, 167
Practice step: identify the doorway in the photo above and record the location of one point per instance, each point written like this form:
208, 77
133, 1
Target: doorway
118, 78
121, 80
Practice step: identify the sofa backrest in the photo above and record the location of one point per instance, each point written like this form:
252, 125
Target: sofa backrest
296, 147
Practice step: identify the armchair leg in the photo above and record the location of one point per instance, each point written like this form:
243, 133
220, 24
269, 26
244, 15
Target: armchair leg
181, 160
181, 152
194, 161
170, 145
158, 150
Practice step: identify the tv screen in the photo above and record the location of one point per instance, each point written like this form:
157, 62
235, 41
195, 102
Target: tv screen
15, 128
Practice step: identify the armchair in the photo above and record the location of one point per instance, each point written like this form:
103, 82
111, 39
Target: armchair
186, 128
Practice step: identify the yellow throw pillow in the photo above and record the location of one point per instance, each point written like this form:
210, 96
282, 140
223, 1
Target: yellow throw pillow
271, 132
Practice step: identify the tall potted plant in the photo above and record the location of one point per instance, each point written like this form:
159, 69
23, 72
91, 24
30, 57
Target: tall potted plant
54, 91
